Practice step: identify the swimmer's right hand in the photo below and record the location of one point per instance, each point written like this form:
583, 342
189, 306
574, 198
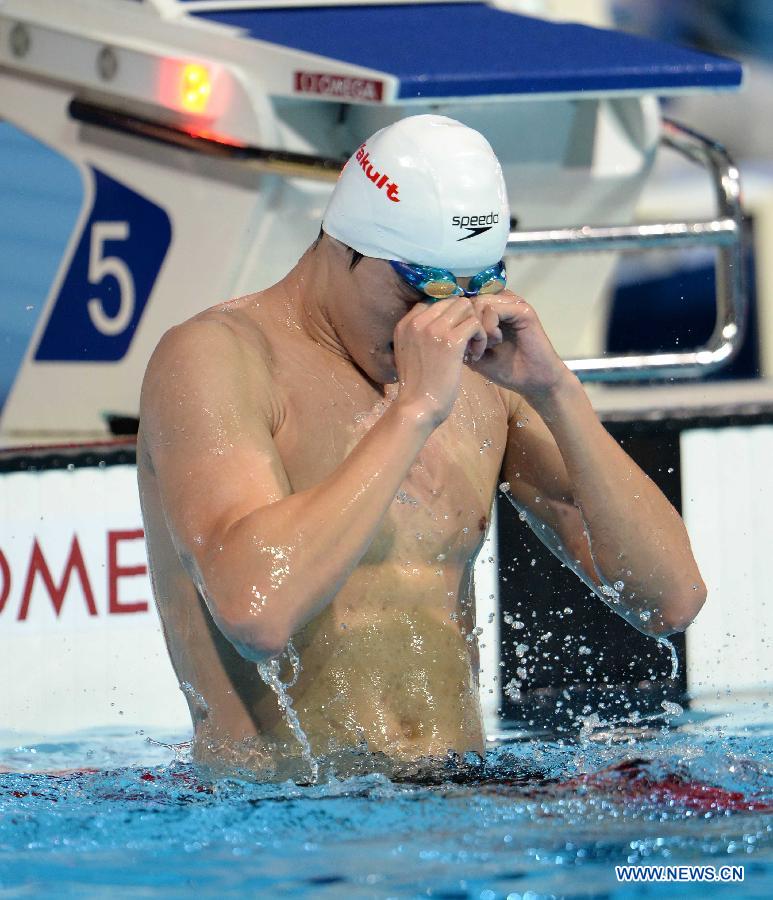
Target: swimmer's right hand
431, 344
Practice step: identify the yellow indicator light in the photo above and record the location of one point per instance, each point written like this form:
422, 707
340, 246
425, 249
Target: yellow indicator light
196, 88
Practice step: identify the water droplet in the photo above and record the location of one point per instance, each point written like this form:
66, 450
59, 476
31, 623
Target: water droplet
674, 709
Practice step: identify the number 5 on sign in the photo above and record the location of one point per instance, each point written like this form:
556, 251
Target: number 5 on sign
110, 277
101, 266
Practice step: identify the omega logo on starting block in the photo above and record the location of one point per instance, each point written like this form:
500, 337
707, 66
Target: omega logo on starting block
346, 86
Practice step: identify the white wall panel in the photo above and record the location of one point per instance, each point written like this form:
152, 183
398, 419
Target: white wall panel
727, 500
487, 619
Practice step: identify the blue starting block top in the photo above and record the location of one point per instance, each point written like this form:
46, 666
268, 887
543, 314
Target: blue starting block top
438, 50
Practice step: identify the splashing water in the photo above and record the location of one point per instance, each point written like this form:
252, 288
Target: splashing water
540, 817
610, 594
269, 672
180, 749
664, 642
198, 700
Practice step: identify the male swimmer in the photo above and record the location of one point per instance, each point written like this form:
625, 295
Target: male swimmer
317, 462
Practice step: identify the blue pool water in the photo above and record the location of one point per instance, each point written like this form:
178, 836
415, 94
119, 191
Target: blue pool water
695, 790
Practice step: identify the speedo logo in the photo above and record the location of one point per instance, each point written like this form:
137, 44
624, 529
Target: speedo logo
475, 224
380, 180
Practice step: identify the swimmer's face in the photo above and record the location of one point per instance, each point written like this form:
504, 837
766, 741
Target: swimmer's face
372, 300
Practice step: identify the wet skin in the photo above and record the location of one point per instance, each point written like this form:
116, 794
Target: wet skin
391, 660
317, 463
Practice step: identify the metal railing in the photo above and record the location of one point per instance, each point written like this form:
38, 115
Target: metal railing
725, 233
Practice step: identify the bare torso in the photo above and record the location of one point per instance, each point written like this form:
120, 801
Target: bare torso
391, 660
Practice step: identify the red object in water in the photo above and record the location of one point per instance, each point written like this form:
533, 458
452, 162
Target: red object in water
631, 780
627, 780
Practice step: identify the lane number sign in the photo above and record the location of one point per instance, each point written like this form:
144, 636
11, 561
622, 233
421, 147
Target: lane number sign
116, 262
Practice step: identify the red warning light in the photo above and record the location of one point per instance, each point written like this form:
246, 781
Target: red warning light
200, 91
195, 88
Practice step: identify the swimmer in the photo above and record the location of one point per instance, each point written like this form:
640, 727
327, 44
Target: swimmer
317, 462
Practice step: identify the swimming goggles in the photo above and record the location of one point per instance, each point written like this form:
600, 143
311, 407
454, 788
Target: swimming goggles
440, 283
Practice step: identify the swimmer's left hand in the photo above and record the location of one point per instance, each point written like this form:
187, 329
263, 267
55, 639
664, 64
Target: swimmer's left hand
519, 355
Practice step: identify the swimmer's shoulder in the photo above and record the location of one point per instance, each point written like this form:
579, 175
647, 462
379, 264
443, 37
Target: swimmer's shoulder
244, 324
506, 401
220, 355
511, 402
232, 333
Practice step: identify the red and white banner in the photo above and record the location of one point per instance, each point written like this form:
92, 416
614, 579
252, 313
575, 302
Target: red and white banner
84, 577
80, 640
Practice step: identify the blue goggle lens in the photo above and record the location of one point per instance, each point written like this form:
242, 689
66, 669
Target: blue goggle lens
438, 284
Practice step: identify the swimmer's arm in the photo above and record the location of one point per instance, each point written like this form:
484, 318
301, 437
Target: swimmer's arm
265, 559
598, 512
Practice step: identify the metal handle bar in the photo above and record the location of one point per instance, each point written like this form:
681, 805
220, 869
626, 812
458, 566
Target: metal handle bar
725, 233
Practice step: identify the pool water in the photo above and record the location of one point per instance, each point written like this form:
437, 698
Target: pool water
137, 820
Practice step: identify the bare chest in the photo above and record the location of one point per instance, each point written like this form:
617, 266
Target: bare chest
441, 510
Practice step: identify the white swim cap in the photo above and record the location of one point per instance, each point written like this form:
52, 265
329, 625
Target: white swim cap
425, 190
